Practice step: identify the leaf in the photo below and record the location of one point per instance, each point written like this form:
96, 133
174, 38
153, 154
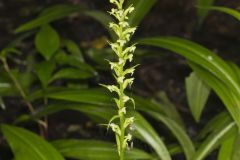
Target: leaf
236, 148
229, 99
28, 146
197, 95
9, 50
44, 71
142, 7
90, 96
207, 60
150, 136
2, 104
226, 10
178, 132
169, 108
6, 88
62, 58
74, 49
50, 14
96, 150
202, 13
214, 123
145, 104
213, 139
225, 152
105, 113
235, 69
71, 73
47, 41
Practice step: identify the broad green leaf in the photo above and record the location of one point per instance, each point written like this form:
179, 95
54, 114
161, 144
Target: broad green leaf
151, 137
178, 132
94, 96
104, 113
29, 146
213, 140
229, 99
142, 7
197, 54
50, 14
197, 95
47, 41
226, 10
202, 13
71, 73
96, 150
207, 60
90, 96
44, 71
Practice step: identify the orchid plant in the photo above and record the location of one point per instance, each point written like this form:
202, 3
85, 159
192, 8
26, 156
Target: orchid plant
122, 74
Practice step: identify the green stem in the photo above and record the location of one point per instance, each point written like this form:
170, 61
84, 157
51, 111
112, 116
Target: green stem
17, 84
122, 120
22, 93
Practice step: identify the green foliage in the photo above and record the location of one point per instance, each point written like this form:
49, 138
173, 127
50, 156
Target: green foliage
47, 41
48, 15
201, 12
84, 149
44, 72
214, 70
180, 134
27, 145
229, 11
197, 95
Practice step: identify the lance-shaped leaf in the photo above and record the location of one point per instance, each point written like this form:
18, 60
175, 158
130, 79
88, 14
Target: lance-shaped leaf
48, 15
212, 63
178, 132
96, 150
29, 146
213, 140
229, 11
197, 95
151, 137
